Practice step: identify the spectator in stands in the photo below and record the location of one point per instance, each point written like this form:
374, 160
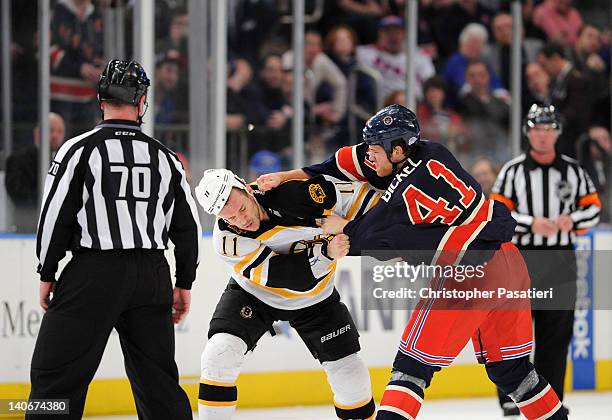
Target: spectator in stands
597, 160
24, 60
270, 101
284, 146
250, 24
559, 20
170, 105
239, 78
389, 58
594, 155
455, 18
236, 112
363, 15
606, 48
585, 53
538, 86
536, 91
604, 114
340, 44
498, 54
22, 174
530, 30
432, 14
329, 84
76, 63
396, 97
485, 171
569, 94
471, 45
438, 122
239, 115
240, 74
178, 34
267, 107
164, 11
487, 116
586, 59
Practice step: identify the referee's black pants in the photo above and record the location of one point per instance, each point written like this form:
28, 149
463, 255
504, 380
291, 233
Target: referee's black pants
553, 321
130, 291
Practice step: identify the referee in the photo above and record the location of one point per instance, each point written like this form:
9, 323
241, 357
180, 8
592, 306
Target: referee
114, 197
552, 198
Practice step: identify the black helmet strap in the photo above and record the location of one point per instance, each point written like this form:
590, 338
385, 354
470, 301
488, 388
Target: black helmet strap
144, 110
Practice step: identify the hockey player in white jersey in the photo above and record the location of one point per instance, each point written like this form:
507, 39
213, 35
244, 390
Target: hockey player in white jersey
282, 269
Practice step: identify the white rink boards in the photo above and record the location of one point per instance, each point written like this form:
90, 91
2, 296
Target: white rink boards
264, 370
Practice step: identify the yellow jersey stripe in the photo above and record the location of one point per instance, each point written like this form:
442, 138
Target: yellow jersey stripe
243, 262
289, 294
276, 229
352, 407
216, 383
375, 200
330, 211
257, 274
217, 403
356, 204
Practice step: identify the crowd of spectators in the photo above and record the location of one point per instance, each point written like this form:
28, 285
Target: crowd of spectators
462, 73
354, 55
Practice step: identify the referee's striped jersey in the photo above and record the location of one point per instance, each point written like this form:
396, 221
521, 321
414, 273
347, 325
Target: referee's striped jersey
532, 190
116, 188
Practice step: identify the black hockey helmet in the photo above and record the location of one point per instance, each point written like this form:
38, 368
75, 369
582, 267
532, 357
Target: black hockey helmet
392, 125
542, 114
123, 81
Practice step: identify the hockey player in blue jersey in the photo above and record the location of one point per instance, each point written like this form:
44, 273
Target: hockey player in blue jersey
431, 203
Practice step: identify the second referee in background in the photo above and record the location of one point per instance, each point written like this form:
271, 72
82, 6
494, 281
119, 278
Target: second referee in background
114, 197
552, 198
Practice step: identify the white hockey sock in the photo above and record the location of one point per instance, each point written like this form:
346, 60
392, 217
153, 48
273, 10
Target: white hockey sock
215, 412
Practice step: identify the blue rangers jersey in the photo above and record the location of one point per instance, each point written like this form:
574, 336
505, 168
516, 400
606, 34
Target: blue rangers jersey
432, 203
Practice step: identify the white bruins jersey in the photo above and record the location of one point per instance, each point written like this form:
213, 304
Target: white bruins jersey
284, 264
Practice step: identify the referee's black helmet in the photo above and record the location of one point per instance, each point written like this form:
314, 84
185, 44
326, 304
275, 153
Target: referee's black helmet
124, 82
542, 114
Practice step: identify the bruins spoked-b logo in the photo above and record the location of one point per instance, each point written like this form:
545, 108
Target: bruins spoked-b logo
564, 191
316, 193
388, 120
246, 312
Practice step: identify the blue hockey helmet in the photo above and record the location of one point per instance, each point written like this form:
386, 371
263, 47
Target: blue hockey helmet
392, 125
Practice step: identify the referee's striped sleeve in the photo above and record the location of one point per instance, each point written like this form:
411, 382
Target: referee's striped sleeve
588, 204
61, 201
523, 221
503, 191
503, 187
184, 230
